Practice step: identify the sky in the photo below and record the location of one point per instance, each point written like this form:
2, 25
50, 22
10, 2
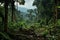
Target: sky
28, 4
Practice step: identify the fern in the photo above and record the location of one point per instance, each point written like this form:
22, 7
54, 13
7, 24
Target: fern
5, 35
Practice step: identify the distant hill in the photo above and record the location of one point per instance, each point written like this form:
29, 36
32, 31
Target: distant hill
22, 9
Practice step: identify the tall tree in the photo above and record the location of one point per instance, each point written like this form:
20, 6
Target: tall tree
6, 3
6, 15
21, 2
45, 9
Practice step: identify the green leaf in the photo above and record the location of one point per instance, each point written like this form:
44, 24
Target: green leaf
5, 36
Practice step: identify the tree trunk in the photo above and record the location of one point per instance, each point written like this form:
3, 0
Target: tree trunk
12, 5
55, 14
6, 16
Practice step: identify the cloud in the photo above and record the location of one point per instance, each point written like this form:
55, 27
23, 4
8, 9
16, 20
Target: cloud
28, 4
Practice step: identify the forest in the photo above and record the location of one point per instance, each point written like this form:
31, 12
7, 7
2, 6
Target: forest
40, 23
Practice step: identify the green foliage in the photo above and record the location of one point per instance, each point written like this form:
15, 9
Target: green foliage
58, 6
4, 36
41, 24
9, 1
58, 22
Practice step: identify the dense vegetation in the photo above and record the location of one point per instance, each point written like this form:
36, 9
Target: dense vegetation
42, 23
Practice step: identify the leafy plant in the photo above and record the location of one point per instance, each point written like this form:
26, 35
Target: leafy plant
4, 36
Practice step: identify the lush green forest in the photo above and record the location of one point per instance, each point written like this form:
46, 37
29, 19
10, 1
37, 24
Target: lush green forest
41, 23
